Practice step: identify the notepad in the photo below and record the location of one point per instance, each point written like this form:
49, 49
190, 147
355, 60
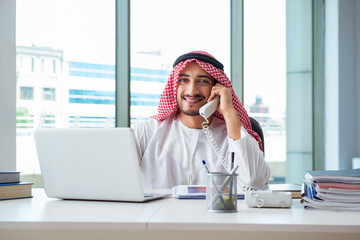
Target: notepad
195, 192
294, 188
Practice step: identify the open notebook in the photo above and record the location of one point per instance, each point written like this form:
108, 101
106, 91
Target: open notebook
91, 164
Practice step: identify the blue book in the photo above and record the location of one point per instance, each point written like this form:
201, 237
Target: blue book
15, 190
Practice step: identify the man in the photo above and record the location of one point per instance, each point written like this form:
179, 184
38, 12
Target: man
173, 144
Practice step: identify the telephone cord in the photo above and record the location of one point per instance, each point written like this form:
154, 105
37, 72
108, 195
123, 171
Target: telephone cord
208, 134
214, 146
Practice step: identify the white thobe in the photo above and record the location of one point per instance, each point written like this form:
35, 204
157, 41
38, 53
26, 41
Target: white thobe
172, 154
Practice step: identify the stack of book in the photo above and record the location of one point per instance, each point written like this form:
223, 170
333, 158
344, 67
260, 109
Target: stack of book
12, 188
332, 190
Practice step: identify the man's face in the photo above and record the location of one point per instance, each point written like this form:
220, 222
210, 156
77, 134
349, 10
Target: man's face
193, 89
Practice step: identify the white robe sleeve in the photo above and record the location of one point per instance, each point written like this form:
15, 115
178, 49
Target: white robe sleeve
142, 132
253, 170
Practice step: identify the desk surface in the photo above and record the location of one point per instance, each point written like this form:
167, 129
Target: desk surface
42, 214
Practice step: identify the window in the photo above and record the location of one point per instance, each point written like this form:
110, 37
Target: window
66, 66
160, 34
278, 82
27, 93
32, 65
83, 75
49, 94
53, 66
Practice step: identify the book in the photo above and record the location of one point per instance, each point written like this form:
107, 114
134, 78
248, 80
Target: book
342, 186
334, 176
331, 194
15, 190
337, 190
9, 177
336, 197
327, 205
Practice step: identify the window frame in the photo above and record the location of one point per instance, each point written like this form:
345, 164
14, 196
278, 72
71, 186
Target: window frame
122, 64
318, 85
8, 85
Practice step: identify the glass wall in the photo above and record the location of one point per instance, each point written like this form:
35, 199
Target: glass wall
65, 69
278, 80
299, 89
162, 30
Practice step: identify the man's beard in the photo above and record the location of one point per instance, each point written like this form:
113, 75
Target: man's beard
190, 112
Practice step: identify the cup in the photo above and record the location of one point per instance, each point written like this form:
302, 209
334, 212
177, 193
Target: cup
221, 192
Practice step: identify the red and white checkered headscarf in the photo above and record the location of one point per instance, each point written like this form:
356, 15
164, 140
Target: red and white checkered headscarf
168, 104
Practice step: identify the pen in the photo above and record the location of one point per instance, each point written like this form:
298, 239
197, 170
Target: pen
232, 160
217, 190
204, 163
232, 180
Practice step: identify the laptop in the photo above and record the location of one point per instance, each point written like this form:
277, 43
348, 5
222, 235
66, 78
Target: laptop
91, 164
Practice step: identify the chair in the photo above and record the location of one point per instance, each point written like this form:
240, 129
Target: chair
257, 128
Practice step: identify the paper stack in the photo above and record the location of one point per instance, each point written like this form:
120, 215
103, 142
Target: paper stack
332, 190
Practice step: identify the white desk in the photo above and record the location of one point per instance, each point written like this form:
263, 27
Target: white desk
45, 218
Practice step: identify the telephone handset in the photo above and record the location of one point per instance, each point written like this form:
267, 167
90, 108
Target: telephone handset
209, 108
206, 111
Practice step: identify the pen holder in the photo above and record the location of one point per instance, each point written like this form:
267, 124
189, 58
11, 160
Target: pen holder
221, 192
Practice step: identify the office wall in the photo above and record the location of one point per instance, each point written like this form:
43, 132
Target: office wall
7, 86
342, 80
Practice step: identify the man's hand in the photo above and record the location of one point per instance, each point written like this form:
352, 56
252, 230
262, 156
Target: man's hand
225, 97
226, 108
